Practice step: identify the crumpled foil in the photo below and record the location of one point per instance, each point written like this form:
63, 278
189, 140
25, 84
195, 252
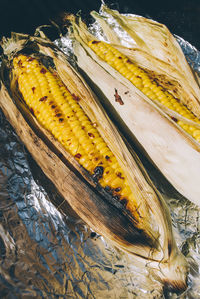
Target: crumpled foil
46, 251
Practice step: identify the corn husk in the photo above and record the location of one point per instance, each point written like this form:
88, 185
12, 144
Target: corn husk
174, 152
150, 240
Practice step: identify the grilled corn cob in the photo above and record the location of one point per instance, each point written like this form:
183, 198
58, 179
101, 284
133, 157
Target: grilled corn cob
147, 84
60, 113
71, 137
157, 99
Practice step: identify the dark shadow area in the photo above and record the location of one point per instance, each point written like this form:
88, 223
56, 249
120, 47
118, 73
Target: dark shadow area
181, 17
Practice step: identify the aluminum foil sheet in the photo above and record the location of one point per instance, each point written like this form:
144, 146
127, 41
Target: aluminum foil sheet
46, 251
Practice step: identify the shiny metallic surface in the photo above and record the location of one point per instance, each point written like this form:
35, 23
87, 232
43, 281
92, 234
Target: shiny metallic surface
191, 53
46, 251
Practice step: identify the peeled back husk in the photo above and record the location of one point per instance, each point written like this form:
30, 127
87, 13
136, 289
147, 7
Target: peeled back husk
149, 239
174, 152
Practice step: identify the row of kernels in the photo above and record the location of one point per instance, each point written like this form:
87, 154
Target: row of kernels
141, 80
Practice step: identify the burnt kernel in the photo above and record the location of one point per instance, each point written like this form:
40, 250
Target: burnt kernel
33, 89
128, 61
58, 114
43, 71
107, 157
98, 173
95, 42
53, 106
30, 59
117, 189
78, 156
124, 202
119, 174
83, 127
107, 188
91, 135
43, 99
61, 120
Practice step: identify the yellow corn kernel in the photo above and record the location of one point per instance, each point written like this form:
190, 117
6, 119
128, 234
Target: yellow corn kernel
196, 133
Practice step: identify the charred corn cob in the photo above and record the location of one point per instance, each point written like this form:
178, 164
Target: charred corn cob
60, 113
67, 131
144, 82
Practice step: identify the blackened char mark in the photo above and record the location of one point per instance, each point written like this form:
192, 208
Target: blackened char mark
76, 98
116, 197
108, 189
118, 99
43, 71
98, 173
174, 119
32, 111
91, 135
124, 202
93, 235
58, 114
43, 99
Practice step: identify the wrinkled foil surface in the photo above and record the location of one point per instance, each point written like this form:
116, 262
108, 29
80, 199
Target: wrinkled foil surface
46, 251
